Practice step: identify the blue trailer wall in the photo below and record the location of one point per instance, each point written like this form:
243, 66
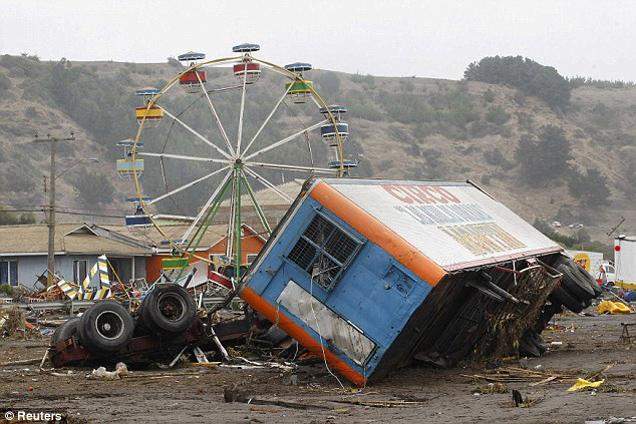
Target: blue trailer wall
374, 292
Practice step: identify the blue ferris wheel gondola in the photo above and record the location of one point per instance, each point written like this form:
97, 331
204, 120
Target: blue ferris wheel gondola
346, 163
136, 199
328, 131
298, 67
334, 109
191, 57
138, 221
246, 48
147, 91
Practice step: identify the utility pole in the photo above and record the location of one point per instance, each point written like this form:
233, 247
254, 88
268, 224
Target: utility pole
51, 208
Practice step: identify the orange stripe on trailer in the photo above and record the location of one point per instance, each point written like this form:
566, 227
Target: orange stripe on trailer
378, 233
297, 332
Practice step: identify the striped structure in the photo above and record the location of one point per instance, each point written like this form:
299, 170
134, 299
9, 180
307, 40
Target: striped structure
86, 292
67, 289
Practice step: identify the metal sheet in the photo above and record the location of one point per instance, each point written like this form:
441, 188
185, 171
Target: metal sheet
625, 259
331, 327
454, 224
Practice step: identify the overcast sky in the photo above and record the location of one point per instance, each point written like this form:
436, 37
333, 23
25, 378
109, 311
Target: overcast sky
395, 38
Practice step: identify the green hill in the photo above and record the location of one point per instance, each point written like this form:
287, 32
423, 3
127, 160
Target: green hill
411, 128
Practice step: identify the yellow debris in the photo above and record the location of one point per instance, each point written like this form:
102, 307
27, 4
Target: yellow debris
582, 384
609, 307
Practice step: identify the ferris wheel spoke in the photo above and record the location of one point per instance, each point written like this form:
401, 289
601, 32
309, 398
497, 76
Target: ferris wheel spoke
207, 205
182, 157
268, 184
229, 87
276, 106
259, 211
215, 113
286, 140
195, 133
229, 246
298, 168
186, 186
239, 136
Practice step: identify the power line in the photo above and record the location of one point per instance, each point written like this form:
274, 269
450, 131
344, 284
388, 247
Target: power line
65, 212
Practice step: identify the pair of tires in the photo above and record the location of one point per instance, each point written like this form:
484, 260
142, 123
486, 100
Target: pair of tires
107, 326
577, 288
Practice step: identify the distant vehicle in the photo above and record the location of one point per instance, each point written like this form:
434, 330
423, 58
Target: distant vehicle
575, 226
625, 261
556, 224
593, 263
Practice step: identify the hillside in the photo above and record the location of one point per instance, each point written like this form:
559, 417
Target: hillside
411, 128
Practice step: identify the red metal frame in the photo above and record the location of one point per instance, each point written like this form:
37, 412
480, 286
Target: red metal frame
190, 77
69, 351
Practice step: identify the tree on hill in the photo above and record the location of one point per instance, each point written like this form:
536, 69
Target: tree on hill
544, 157
11, 218
94, 189
525, 74
590, 187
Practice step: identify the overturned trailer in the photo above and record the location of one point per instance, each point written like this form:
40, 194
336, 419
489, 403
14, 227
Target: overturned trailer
370, 274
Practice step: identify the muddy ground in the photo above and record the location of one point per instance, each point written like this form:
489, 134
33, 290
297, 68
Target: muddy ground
419, 394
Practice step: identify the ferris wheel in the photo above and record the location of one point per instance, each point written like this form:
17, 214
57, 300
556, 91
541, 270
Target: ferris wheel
231, 147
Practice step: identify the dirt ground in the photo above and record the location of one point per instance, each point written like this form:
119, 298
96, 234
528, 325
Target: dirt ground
193, 395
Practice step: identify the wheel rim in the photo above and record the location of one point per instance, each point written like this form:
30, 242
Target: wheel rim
171, 307
109, 325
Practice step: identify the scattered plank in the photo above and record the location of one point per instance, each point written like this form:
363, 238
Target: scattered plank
21, 362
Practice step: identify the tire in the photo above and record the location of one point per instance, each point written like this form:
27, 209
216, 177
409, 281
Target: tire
559, 294
105, 327
528, 348
585, 276
547, 312
575, 283
538, 342
168, 309
66, 330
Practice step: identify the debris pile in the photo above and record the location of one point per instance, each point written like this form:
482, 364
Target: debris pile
371, 275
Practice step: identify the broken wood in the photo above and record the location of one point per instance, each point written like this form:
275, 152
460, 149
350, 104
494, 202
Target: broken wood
380, 403
21, 362
234, 394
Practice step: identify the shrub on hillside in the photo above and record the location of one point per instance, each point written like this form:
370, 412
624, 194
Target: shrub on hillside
543, 157
94, 189
589, 187
12, 218
497, 115
525, 74
5, 82
489, 96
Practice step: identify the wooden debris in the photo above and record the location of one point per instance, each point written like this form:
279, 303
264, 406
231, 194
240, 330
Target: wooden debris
234, 394
379, 403
21, 362
520, 375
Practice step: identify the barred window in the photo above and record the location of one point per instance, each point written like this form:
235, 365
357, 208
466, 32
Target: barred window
323, 251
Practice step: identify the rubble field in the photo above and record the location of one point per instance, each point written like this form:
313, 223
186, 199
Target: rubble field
590, 347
